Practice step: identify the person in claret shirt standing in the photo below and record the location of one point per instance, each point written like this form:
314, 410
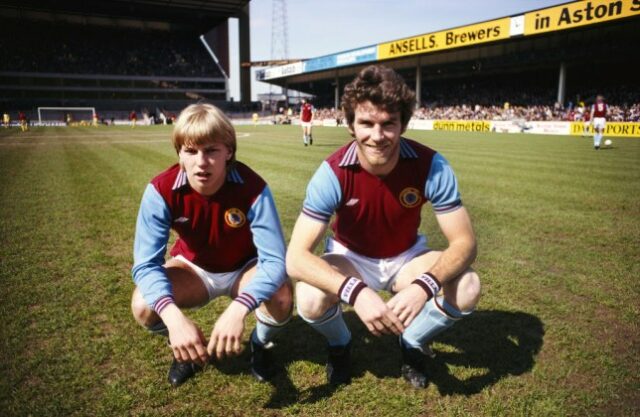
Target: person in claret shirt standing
229, 243
599, 120
306, 121
133, 118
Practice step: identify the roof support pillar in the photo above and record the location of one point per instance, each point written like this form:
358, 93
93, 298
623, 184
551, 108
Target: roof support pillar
336, 93
562, 83
244, 36
418, 85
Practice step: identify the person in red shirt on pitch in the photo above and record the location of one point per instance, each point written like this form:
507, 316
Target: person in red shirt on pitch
599, 120
306, 120
133, 118
24, 124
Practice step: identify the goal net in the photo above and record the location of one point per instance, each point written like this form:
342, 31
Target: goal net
65, 114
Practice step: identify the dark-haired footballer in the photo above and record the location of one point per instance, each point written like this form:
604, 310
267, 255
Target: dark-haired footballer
375, 186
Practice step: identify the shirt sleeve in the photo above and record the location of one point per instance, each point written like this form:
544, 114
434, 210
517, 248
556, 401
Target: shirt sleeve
323, 194
442, 186
269, 241
150, 245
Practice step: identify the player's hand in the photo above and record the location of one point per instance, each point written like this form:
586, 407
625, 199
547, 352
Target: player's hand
186, 339
376, 315
226, 336
408, 303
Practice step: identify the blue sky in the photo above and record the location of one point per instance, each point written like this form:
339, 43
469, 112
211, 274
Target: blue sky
320, 27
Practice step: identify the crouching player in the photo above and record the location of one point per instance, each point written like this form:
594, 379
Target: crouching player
229, 243
376, 186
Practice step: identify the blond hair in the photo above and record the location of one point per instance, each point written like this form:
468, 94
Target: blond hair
200, 124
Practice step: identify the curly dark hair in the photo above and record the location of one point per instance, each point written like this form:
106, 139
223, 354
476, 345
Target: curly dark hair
384, 88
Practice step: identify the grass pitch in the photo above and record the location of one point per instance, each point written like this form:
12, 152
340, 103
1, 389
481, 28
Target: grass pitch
556, 332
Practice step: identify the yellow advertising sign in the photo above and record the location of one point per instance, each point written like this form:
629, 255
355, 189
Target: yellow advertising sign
462, 125
579, 13
446, 39
624, 129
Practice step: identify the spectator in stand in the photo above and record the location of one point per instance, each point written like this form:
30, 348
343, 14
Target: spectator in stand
586, 116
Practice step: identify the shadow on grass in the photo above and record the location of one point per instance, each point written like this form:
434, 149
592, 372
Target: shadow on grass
488, 346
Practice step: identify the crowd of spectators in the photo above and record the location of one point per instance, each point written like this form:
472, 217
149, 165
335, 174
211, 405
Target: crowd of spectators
328, 113
617, 113
80, 49
531, 104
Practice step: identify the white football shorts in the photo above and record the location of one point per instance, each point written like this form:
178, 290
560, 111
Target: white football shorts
306, 124
217, 284
599, 122
378, 274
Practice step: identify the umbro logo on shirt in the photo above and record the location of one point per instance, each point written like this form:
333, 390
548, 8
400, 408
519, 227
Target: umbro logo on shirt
181, 220
352, 202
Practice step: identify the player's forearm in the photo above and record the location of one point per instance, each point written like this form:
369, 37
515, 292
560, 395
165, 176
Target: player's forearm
172, 316
313, 270
454, 260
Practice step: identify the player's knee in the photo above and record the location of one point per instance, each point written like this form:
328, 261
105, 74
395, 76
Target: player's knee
281, 304
141, 311
469, 290
311, 302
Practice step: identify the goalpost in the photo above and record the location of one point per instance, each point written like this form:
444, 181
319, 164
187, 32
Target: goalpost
59, 114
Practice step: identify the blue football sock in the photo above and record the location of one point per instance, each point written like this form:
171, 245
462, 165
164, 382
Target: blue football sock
436, 316
266, 328
332, 326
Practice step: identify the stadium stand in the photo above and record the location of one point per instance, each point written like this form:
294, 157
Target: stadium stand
84, 49
543, 75
112, 68
530, 97
148, 55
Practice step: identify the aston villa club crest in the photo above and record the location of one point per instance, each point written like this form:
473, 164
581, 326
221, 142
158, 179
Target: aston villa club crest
410, 197
235, 218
